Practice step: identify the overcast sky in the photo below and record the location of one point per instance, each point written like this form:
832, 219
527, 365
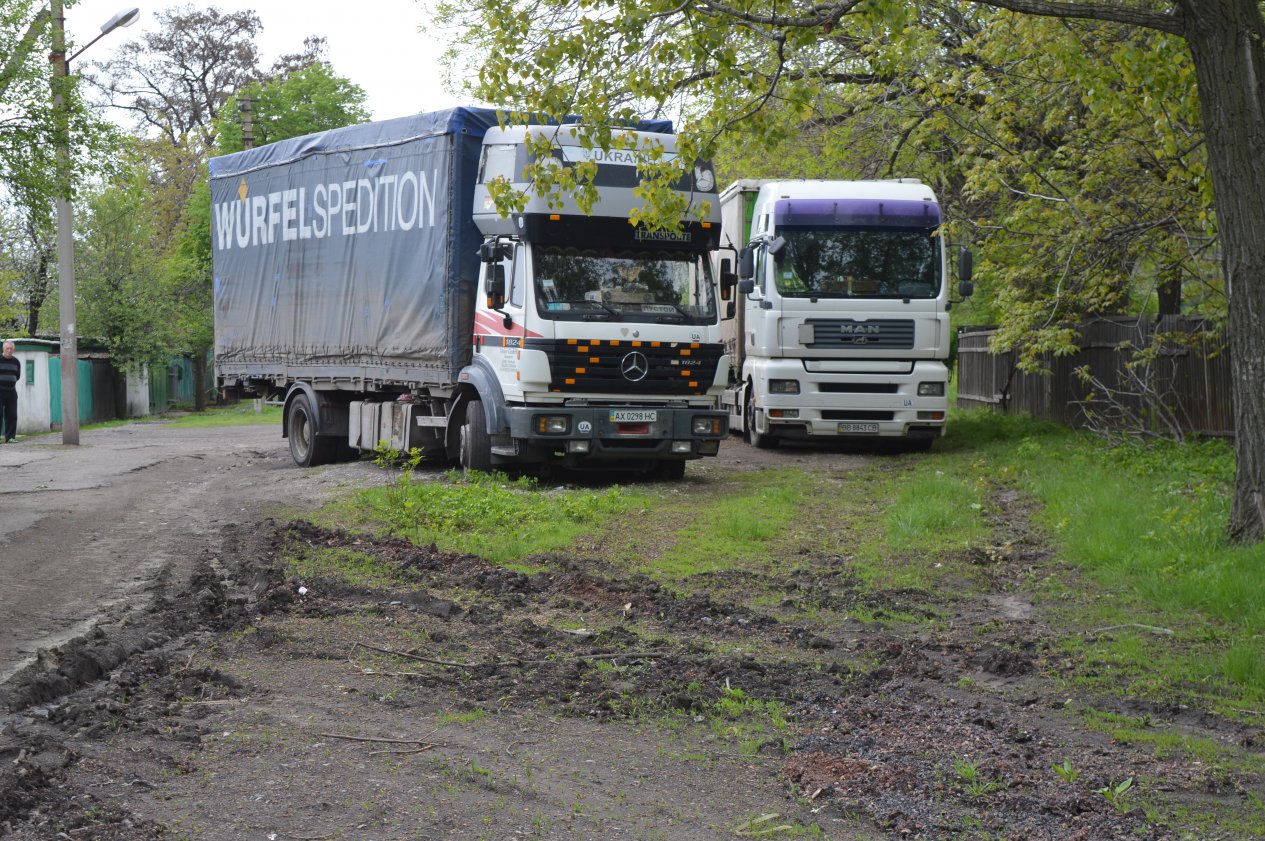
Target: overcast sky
374, 43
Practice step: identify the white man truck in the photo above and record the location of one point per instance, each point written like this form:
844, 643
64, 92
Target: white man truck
841, 329
365, 282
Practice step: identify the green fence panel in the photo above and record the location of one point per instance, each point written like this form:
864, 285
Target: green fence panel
85, 390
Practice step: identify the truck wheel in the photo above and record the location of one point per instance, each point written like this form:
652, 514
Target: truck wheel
765, 441
306, 447
476, 445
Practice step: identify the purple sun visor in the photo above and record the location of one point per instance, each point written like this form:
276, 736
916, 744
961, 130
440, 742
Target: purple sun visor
895, 213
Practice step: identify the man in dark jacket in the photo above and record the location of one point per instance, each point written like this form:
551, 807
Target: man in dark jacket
10, 376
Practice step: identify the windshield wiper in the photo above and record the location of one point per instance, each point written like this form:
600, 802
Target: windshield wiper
681, 315
608, 314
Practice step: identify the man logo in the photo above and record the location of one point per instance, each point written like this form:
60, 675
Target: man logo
634, 367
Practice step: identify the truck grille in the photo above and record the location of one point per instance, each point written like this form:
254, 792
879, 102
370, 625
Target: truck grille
877, 334
630, 367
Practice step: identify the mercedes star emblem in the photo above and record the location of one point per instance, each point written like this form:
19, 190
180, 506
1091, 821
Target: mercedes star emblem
634, 367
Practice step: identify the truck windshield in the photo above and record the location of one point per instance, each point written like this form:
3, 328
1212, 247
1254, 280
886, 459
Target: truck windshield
827, 262
658, 287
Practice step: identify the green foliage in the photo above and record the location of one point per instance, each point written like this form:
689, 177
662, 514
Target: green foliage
122, 300
241, 414
1067, 772
1071, 151
499, 518
736, 529
362, 569
309, 99
1117, 794
932, 510
1144, 522
974, 783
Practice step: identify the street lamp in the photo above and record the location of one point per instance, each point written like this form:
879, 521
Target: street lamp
65, 215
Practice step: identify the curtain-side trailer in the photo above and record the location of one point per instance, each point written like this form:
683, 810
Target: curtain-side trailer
364, 280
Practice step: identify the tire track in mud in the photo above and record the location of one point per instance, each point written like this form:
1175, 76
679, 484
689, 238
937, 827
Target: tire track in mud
949, 729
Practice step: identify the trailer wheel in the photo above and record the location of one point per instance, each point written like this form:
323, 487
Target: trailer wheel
764, 441
476, 445
306, 447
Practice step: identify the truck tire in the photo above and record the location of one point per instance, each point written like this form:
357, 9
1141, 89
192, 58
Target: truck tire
918, 445
764, 441
306, 447
476, 444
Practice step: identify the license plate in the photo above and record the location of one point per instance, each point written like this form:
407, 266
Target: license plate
633, 416
858, 428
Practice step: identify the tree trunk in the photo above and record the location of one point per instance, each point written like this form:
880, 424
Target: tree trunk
199, 381
38, 293
1226, 40
1170, 295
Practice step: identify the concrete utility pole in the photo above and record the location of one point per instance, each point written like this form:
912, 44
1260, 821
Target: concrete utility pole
65, 213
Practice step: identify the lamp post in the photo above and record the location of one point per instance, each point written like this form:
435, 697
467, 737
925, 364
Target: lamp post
65, 214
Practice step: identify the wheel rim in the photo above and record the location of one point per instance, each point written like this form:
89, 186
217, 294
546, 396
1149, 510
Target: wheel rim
301, 431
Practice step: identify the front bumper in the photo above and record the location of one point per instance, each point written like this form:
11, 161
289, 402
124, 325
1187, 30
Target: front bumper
615, 433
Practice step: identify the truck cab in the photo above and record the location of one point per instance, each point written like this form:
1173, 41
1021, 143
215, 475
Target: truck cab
594, 340
843, 327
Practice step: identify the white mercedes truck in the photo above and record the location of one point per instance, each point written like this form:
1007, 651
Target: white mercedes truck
841, 327
365, 282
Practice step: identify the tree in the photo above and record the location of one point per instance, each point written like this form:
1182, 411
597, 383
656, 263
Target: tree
175, 80
26, 263
122, 297
28, 139
303, 99
725, 69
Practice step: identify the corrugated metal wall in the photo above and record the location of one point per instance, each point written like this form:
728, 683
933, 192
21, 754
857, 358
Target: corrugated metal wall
1188, 380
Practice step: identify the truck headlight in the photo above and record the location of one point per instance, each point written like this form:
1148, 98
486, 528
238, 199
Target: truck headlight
706, 426
930, 389
783, 386
553, 424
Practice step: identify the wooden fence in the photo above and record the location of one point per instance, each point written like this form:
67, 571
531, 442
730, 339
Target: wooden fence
1185, 387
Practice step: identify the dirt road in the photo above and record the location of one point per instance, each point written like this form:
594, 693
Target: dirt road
87, 530
219, 696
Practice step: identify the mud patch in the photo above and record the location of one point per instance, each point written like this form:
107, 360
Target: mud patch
471, 700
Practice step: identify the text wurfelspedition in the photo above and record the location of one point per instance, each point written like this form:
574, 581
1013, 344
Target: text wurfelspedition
342, 208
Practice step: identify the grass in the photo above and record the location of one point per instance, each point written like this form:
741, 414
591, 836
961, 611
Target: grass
1146, 524
237, 414
734, 529
1149, 601
501, 519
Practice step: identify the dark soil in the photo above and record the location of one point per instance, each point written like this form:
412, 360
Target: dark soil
479, 702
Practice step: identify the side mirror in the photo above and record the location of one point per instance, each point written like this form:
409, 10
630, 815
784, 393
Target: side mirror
496, 286
746, 265
494, 250
966, 265
746, 287
965, 289
776, 247
727, 280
